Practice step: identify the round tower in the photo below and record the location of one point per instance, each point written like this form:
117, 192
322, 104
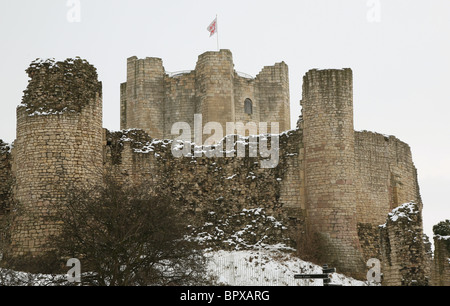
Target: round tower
215, 87
143, 96
327, 107
59, 142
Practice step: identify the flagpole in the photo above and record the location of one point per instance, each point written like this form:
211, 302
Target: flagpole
217, 32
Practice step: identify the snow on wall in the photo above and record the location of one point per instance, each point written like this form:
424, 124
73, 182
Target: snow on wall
404, 260
234, 196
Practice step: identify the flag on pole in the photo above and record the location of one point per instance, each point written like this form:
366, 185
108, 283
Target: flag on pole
212, 28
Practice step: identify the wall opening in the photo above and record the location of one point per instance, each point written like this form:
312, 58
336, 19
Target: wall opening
248, 106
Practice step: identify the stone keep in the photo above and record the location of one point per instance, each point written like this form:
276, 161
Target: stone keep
153, 100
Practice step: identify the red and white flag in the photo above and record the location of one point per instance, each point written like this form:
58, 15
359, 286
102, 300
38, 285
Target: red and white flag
212, 28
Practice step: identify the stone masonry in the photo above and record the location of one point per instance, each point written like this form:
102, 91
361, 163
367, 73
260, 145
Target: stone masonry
217, 193
441, 261
5, 178
153, 100
328, 179
59, 142
403, 250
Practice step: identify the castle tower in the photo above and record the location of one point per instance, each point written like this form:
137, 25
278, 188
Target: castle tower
273, 95
154, 100
215, 90
143, 95
59, 142
329, 141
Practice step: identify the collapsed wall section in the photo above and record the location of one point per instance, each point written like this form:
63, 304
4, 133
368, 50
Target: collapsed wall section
403, 251
6, 179
441, 261
59, 142
386, 177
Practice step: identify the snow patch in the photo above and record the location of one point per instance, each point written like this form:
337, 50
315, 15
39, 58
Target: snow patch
267, 267
264, 267
403, 211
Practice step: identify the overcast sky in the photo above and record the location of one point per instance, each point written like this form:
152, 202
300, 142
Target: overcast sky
399, 51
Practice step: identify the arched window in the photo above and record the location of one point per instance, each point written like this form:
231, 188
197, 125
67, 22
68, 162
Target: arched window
248, 106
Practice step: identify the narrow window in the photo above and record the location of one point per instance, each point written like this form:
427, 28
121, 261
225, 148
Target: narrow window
248, 106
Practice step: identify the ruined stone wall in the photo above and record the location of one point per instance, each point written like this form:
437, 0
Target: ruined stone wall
369, 239
403, 252
330, 165
6, 179
123, 105
441, 261
386, 176
222, 195
293, 186
59, 142
142, 105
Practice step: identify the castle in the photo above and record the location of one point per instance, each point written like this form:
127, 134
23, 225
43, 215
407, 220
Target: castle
330, 180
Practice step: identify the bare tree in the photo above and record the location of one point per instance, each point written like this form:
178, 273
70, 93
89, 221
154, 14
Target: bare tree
309, 247
124, 236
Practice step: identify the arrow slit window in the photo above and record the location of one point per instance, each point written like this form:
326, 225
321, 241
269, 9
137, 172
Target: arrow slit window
248, 106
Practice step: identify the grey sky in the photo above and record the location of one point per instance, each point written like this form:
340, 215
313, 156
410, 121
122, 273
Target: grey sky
401, 64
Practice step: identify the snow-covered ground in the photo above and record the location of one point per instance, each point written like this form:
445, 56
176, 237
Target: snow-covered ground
265, 267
